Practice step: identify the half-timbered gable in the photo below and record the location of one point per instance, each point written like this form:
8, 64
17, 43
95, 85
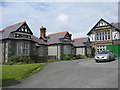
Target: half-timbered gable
23, 32
18, 39
103, 34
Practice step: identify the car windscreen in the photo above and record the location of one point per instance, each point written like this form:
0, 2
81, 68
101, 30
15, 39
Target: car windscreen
103, 52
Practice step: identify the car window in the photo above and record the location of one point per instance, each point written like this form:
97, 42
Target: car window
103, 52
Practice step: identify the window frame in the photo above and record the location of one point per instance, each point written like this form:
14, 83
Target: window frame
104, 35
22, 48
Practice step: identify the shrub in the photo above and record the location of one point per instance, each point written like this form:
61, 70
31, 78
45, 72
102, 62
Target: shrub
39, 59
80, 56
14, 58
27, 59
35, 58
52, 60
22, 59
9, 63
65, 57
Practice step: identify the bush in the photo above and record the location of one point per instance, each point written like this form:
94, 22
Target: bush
65, 58
26, 59
80, 56
35, 58
9, 63
52, 60
22, 59
14, 58
39, 59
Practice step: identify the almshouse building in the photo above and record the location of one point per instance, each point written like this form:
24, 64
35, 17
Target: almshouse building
18, 39
104, 34
59, 44
82, 46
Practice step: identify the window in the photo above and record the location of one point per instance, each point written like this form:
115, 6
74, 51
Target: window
22, 48
25, 48
100, 35
19, 44
108, 34
26, 30
22, 29
100, 48
103, 36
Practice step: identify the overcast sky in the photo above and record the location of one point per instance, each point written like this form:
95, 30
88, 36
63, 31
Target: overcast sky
75, 17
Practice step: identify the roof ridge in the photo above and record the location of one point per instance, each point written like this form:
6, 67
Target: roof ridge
58, 33
115, 23
80, 38
14, 24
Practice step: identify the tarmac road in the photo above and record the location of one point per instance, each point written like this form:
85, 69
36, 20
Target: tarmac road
84, 73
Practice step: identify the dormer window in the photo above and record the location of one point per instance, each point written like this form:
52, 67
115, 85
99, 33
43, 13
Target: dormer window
17, 35
29, 37
26, 30
22, 29
19, 29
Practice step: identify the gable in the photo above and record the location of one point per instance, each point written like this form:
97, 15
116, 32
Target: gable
24, 29
61, 37
67, 36
13, 31
102, 23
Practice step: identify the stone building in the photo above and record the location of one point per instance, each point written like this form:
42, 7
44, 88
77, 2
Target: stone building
59, 44
18, 39
82, 46
103, 34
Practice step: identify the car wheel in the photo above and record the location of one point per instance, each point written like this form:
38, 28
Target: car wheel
110, 59
113, 58
96, 61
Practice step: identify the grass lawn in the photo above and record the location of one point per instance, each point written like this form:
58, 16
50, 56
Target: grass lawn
11, 74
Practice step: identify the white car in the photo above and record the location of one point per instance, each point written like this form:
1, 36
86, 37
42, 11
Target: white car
105, 55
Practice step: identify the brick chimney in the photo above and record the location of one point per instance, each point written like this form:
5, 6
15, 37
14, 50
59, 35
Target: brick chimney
43, 32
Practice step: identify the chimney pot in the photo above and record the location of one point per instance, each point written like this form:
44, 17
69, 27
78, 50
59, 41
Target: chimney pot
43, 32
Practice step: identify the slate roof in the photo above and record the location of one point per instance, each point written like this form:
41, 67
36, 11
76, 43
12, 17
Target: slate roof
54, 38
39, 41
6, 33
117, 25
80, 41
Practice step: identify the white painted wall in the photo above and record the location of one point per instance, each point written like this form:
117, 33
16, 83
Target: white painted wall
80, 51
92, 37
115, 35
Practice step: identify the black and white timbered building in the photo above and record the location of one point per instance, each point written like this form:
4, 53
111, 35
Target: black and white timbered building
103, 34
